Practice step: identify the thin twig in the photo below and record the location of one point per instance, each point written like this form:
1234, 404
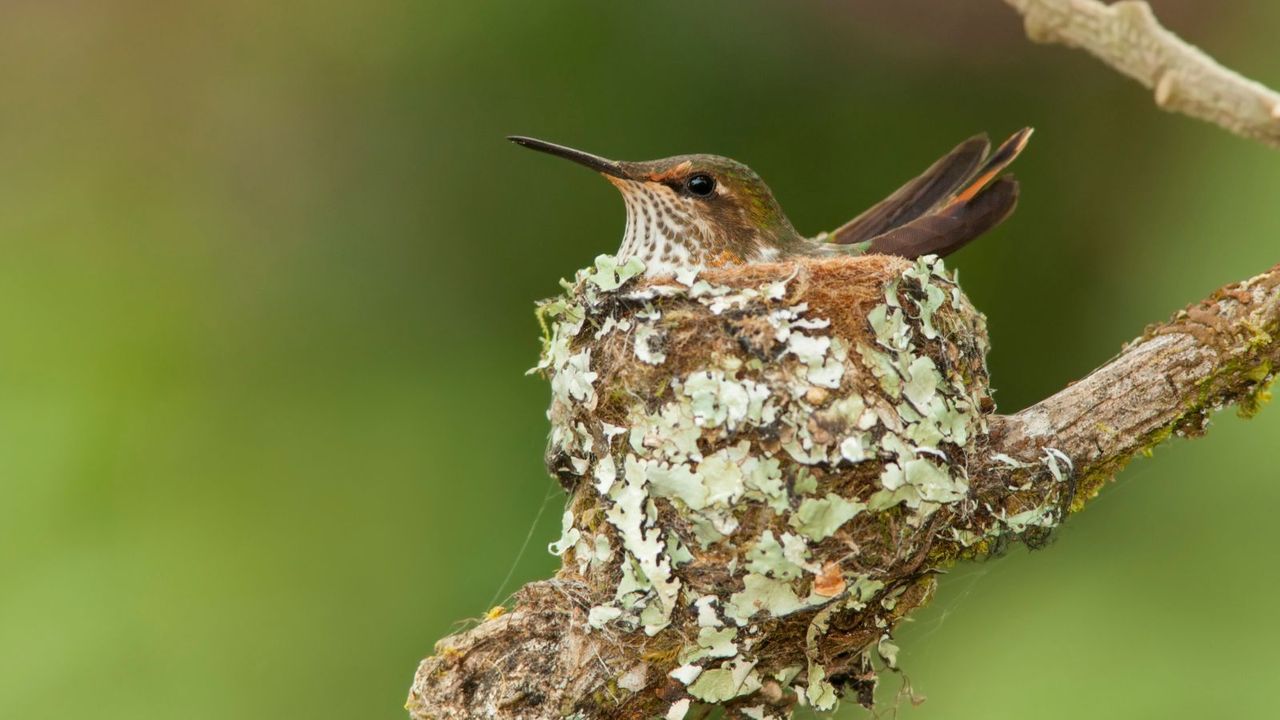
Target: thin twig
1127, 37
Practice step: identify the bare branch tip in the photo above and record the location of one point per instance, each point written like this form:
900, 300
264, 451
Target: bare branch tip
1165, 88
1128, 37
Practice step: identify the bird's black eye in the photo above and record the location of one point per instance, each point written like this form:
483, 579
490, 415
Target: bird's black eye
701, 185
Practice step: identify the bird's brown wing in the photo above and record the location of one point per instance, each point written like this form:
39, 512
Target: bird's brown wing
918, 195
954, 201
948, 228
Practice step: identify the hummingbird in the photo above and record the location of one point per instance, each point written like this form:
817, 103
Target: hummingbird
695, 211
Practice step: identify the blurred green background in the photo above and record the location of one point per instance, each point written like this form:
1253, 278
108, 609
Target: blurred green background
267, 273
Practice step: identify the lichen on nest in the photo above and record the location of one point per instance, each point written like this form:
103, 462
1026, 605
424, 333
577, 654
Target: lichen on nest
767, 465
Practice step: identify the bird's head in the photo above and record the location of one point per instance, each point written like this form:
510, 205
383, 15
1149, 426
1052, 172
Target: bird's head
689, 210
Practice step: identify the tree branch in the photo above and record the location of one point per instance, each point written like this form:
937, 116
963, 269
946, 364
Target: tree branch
1218, 352
1127, 37
559, 653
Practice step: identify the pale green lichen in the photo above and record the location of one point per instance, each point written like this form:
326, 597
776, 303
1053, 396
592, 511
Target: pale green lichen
675, 483
612, 324
722, 475
762, 594
819, 518
610, 275
856, 448
676, 550
687, 673
606, 473
717, 643
890, 327
888, 651
938, 411
678, 709
882, 366
602, 615
822, 355
1058, 463
717, 399
631, 514
862, 591
706, 610
1009, 461
1040, 516
732, 679
767, 557
592, 551
887, 409
648, 345
569, 536
934, 296
805, 482
820, 693
574, 379
922, 386
785, 675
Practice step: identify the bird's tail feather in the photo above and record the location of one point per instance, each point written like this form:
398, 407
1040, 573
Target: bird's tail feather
953, 226
954, 201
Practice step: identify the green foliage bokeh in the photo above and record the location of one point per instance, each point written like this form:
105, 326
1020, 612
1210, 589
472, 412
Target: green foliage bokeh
266, 300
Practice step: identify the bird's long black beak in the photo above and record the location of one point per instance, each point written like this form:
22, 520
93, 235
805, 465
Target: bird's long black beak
595, 162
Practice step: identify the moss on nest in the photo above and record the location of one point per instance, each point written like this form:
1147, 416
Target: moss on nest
768, 462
